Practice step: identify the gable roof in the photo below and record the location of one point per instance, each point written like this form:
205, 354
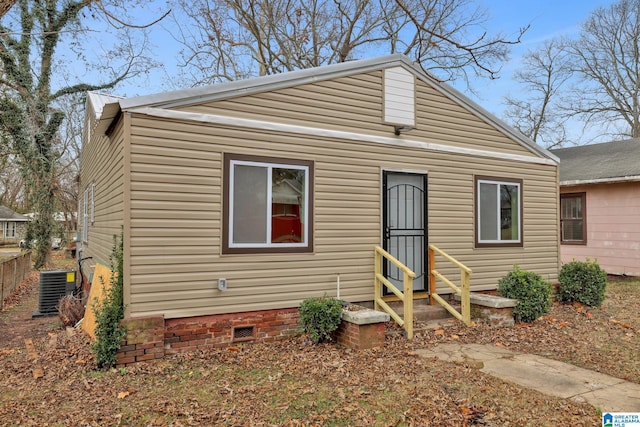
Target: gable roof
600, 163
108, 111
8, 214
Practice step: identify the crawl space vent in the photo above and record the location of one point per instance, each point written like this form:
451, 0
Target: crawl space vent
244, 333
53, 286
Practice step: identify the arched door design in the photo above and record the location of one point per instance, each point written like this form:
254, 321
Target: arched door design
405, 226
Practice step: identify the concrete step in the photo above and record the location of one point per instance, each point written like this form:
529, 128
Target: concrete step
424, 312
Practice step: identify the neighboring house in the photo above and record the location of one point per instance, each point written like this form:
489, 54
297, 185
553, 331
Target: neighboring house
65, 220
281, 183
600, 205
12, 226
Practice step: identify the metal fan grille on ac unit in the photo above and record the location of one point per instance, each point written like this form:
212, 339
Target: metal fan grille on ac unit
53, 286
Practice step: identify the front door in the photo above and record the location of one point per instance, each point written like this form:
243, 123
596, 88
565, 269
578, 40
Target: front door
404, 226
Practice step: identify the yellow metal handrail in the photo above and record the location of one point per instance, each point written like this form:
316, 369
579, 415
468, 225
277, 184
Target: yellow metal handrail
406, 296
462, 290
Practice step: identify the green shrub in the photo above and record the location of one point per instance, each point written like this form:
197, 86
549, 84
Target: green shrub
109, 312
320, 317
530, 289
583, 282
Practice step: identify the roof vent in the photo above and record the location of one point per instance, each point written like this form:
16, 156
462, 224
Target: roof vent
53, 286
399, 98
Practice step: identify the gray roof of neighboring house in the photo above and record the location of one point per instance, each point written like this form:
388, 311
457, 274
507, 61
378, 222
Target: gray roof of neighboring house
8, 214
607, 162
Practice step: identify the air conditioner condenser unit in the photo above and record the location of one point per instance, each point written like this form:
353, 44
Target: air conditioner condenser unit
53, 286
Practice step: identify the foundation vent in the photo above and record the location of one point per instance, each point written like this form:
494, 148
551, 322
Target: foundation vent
244, 333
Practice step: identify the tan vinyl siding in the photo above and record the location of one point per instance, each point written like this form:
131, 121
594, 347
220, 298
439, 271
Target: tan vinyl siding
350, 103
102, 165
176, 204
354, 104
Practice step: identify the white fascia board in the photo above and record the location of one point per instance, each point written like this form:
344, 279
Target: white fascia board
575, 182
99, 101
277, 81
232, 89
329, 133
105, 108
477, 110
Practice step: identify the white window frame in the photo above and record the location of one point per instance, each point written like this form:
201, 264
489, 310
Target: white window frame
5, 230
93, 203
269, 166
582, 196
498, 183
85, 216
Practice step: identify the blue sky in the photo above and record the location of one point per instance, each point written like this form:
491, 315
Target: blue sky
548, 18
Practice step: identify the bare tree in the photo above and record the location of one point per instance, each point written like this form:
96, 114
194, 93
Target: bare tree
5, 5
538, 112
450, 40
235, 39
68, 152
35, 80
11, 184
607, 55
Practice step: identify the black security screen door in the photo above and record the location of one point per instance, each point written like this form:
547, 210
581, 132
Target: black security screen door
404, 226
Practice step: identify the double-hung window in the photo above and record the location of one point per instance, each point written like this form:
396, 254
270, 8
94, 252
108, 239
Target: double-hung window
498, 212
267, 205
9, 230
573, 221
85, 216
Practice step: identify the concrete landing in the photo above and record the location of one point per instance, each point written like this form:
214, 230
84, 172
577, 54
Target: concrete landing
548, 376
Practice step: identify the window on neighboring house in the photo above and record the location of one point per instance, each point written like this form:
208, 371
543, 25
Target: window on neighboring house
267, 204
85, 216
9, 230
573, 221
498, 212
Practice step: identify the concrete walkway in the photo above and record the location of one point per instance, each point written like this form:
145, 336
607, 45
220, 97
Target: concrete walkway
548, 376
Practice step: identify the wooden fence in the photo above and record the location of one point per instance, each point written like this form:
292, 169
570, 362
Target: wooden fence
12, 272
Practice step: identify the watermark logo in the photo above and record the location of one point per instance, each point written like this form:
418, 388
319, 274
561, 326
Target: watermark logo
621, 419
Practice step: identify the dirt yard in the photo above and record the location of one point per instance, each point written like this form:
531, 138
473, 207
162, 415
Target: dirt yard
296, 383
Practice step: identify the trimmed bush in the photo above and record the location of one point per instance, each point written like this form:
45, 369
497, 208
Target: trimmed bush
530, 289
320, 317
583, 282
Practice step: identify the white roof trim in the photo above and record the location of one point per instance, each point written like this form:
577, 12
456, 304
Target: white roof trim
263, 83
631, 178
284, 80
403, 141
474, 108
105, 108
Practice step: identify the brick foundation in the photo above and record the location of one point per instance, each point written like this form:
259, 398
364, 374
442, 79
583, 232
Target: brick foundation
149, 338
360, 337
144, 340
361, 328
